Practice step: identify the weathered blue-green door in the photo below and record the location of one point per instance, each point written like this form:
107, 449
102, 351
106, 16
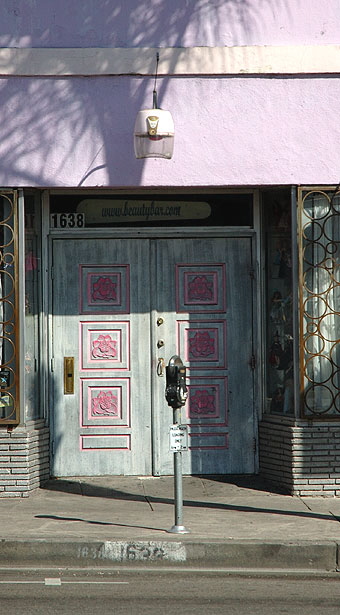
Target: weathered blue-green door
121, 309
203, 294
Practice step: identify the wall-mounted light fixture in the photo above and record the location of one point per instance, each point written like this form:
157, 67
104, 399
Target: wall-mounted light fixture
154, 130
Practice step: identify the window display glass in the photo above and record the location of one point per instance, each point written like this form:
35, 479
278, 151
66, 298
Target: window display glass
279, 321
32, 270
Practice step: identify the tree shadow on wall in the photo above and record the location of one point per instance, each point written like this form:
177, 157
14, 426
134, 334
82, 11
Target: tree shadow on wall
76, 131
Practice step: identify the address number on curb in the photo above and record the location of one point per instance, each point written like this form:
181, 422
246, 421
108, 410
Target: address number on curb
71, 220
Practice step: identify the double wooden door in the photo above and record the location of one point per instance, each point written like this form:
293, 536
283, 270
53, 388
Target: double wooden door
120, 309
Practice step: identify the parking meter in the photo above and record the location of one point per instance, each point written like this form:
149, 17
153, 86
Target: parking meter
176, 391
176, 394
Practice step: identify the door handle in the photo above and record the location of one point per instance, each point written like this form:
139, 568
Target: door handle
160, 366
68, 375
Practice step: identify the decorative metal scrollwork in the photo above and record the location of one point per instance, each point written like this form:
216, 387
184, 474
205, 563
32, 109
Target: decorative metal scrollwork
8, 308
320, 302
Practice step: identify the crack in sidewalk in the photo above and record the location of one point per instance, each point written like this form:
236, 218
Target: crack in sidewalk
336, 517
146, 497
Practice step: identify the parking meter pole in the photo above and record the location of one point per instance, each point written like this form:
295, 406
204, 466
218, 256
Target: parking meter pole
178, 528
178, 488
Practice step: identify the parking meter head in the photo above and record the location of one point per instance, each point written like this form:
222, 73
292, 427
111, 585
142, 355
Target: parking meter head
176, 391
174, 362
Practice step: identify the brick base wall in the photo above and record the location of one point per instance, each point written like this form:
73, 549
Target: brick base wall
299, 455
302, 456
24, 459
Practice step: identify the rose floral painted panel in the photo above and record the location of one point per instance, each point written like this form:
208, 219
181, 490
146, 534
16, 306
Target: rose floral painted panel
200, 288
203, 343
207, 413
104, 289
203, 402
105, 345
105, 402
207, 401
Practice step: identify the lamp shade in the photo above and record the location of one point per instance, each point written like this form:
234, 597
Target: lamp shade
154, 134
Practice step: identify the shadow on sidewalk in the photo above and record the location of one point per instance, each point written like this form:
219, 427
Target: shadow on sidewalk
105, 523
83, 488
90, 487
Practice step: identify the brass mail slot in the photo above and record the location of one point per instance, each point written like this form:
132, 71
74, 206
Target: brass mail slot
68, 375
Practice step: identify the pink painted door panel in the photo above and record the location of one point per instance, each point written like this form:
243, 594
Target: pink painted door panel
100, 310
205, 303
122, 308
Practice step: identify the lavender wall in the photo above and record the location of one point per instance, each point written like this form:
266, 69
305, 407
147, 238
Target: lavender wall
229, 131
152, 23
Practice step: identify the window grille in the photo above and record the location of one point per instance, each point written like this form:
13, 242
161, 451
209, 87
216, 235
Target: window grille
320, 302
9, 359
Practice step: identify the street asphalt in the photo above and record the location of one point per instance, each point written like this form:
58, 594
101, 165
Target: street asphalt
235, 523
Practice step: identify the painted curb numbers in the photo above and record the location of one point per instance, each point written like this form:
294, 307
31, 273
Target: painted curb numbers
133, 551
178, 438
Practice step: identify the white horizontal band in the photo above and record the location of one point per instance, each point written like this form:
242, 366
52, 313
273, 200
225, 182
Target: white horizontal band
248, 60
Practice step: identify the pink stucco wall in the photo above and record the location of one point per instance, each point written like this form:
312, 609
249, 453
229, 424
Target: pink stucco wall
229, 131
151, 23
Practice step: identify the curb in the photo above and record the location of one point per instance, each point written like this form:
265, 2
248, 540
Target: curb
247, 554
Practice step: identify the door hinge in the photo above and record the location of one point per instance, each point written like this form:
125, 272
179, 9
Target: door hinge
252, 273
252, 361
52, 365
254, 445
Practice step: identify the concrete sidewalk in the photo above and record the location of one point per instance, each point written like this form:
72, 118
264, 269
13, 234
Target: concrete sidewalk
234, 522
